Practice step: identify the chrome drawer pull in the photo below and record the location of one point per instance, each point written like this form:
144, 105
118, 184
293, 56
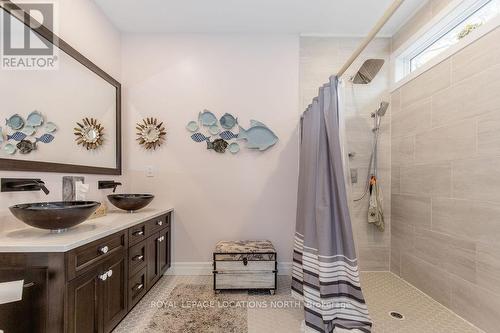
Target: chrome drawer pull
159, 223
138, 287
138, 233
139, 257
104, 250
29, 285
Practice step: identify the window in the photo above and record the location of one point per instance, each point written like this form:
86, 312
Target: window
448, 31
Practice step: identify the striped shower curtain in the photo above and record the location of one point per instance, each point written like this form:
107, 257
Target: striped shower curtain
325, 266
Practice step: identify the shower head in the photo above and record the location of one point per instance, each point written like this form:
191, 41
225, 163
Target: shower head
382, 109
368, 71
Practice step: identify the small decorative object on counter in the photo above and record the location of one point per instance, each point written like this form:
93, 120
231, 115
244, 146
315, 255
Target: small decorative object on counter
250, 265
100, 212
90, 134
150, 133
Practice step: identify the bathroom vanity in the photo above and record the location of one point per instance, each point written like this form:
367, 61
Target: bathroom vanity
86, 279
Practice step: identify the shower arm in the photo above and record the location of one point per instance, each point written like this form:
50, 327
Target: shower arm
375, 30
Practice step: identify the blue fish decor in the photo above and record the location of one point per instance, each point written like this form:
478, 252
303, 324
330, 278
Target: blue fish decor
227, 121
17, 136
207, 118
258, 137
27, 133
46, 138
16, 122
228, 135
198, 137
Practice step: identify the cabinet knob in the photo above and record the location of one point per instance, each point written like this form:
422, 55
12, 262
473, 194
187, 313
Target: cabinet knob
138, 257
161, 239
104, 249
104, 276
159, 223
138, 233
138, 287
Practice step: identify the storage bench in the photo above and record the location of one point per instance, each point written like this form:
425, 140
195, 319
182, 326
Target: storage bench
245, 265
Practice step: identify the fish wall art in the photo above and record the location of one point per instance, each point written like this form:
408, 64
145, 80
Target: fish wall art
220, 134
22, 135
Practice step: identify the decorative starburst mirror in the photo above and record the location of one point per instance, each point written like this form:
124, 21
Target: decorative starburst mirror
150, 134
90, 134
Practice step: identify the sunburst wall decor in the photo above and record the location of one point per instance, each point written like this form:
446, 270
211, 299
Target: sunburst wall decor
150, 134
90, 134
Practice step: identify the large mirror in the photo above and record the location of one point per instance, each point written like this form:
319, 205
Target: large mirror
60, 113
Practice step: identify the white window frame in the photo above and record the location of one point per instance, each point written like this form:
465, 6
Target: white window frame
455, 13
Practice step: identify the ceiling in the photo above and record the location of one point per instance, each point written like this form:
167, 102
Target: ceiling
310, 17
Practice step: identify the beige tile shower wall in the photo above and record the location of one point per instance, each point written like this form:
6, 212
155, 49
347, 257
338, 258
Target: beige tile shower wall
321, 57
429, 9
446, 182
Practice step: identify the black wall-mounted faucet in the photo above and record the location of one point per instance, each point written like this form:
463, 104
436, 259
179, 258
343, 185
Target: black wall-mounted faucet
105, 184
20, 184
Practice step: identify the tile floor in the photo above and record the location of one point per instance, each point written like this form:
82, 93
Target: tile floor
384, 292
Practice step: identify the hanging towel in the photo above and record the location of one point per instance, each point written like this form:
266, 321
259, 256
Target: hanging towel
375, 210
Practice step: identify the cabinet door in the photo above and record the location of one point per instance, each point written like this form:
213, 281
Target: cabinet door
33, 304
153, 265
83, 303
114, 291
164, 248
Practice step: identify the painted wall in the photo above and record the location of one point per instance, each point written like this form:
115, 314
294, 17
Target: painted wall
321, 57
251, 195
446, 188
85, 27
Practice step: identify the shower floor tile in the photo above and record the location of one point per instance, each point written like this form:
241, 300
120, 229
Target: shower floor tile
384, 292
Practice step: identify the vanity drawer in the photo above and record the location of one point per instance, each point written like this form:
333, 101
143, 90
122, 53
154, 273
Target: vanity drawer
157, 224
137, 233
86, 257
136, 288
137, 258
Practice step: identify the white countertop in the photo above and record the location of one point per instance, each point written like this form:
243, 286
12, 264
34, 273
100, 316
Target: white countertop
15, 236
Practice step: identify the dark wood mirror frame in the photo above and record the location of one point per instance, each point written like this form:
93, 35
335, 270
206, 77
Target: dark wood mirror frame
22, 165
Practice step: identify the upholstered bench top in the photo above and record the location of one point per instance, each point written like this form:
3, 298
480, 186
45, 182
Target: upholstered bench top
247, 246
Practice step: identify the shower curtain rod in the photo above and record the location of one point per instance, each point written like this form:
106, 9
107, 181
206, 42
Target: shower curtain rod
375, 30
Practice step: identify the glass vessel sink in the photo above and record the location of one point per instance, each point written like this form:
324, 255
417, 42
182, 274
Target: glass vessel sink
130, 202
55, 216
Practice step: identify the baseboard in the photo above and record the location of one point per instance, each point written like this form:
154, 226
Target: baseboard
205, 268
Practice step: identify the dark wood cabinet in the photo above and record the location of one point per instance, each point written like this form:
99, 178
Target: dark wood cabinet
84, 304
164, 251
153, 253
89, 289
33, 304
114, 291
